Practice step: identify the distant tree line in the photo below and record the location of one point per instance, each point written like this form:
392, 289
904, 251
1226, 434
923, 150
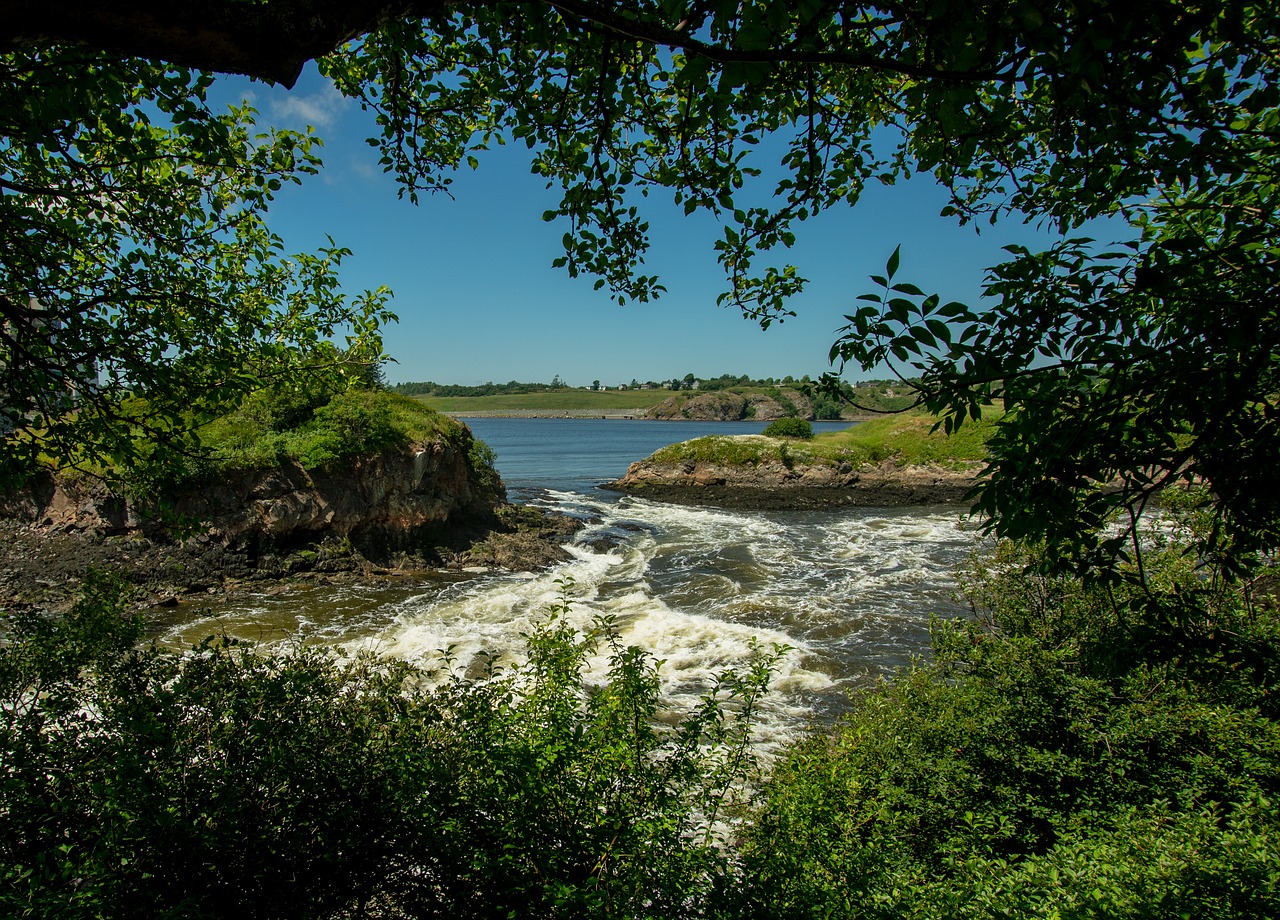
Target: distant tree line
688, 381
431, 388
867, 395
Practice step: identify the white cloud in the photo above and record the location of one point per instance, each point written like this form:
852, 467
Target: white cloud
365, 168
320, 109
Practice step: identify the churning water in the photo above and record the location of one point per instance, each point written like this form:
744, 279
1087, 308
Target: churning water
849, 592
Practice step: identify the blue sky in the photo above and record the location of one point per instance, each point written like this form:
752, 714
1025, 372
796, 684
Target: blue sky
478, 299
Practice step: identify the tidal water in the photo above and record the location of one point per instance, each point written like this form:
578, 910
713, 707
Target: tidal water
848, 593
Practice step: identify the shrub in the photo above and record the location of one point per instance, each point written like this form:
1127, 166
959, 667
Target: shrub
299, 783
1082, 751
789, 428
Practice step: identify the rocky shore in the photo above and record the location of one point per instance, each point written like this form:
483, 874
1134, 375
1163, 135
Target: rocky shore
386, 515
550, 413
775, 485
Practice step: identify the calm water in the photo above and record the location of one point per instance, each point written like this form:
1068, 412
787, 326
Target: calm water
848, 592
575, 454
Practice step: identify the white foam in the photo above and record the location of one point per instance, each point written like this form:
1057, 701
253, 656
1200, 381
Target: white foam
849, 593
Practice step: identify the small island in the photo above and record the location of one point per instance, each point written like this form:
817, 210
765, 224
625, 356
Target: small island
324, 486
895, 460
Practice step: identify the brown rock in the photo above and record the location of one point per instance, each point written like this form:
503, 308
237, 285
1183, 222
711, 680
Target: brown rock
797, 484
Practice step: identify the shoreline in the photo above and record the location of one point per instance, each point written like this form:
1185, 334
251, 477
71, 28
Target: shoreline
626, 414
47, 567
774, 486
633, 415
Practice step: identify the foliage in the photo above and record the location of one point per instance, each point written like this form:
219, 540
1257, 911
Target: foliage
789, 428
825, 408
482, 469
905, 440
271, 427
295, 783
142, 292
1073, 754
1123, 367
548, 401
914, 438
430, 388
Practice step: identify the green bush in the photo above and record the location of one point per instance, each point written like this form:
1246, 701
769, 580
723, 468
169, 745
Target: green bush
350, 423
1078, 751
789, 428
229, 782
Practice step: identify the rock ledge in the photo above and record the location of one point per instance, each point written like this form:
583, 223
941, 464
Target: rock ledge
773, 485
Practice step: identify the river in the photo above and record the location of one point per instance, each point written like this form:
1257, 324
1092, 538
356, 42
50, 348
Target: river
848, 592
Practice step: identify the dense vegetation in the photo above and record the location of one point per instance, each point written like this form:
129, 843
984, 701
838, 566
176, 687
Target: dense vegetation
907, 439
320, 431
1070, 752
229, 782
1100, 742
322, 421
789, 428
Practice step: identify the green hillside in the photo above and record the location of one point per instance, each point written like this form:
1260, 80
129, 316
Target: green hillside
548, 401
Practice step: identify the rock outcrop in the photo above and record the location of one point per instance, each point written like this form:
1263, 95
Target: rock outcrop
401, 510
427, 485
773, 484
719, 406
728, 406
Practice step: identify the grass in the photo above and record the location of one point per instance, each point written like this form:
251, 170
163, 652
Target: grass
550, 401
354, 422
907, 439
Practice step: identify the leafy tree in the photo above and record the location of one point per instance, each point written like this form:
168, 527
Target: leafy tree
141, 291
1124, 367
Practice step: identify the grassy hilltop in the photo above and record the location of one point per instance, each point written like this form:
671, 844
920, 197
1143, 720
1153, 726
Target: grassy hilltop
561, 400
518, 398
907, 440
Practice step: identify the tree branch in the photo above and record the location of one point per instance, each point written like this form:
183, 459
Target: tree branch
653, 33
271, 41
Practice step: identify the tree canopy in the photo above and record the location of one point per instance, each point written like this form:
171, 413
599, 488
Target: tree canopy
1124, 365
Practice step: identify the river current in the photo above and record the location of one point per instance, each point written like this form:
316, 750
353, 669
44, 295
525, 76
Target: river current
849, 593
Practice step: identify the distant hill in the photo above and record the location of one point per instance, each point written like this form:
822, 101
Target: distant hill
658, 400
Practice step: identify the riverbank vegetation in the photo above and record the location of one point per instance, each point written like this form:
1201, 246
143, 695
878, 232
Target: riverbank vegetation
320, 431
864, 400
1101, 741
909, 439
321, 421
1070, 751
292, 782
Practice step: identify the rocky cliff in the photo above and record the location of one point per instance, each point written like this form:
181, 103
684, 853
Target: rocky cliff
777, 484
397, 492
728, 406
404, 509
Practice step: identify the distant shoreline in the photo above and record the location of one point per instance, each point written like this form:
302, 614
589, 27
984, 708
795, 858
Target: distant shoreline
622, 414
631, 414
